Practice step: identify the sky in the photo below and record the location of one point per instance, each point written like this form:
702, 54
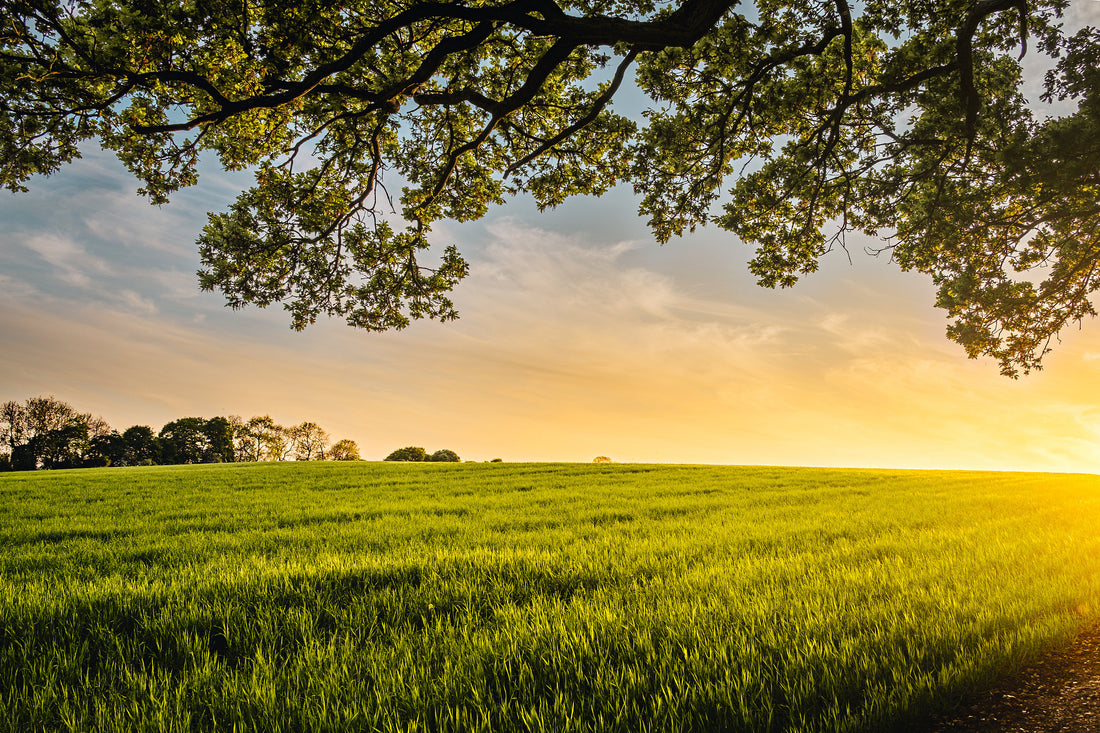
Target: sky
579, 336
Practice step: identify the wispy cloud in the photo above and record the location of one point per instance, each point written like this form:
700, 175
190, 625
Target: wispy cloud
137, 302
72, 263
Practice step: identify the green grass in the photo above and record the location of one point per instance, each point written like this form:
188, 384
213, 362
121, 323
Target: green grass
544, 597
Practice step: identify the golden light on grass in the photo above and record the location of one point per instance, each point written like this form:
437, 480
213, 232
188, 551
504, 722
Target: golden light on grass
541, 596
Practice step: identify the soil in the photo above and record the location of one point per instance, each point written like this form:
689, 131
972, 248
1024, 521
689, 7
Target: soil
1060, 693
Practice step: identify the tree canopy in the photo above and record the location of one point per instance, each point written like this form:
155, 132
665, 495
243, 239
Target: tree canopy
788, 123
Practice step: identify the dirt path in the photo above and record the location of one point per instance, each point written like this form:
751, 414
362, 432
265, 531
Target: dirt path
1059, 693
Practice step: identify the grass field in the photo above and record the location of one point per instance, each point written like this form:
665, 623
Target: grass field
543, 597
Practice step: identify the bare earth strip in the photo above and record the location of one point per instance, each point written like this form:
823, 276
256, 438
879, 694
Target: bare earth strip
1060, 693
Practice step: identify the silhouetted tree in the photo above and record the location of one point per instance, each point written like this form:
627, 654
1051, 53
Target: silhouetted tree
183, 441
47, 432
409, 453
63, 447
43, 414
97, 426
142, 447
13, 424
106, 450
23, 458
219, 438
444, 455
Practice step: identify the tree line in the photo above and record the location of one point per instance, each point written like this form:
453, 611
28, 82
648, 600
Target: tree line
47, 433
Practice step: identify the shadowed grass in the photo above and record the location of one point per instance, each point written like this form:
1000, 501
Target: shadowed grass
476, 597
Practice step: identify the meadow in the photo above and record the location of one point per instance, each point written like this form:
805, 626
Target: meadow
529, 597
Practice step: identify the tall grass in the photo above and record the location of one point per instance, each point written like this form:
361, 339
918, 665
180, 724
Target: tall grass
477, 597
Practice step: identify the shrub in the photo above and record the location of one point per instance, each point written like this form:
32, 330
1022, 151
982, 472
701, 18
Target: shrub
496, 460
444, 456
601, 459
408, 453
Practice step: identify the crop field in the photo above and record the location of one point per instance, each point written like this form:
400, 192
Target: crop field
541, 597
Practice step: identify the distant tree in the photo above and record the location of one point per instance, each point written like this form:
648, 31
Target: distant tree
601, 459
444, 455
280, 447
183, 441
261, 440
497, 460
63, 447
409, 453
309, 441
251, 440
106, 450
13, 424
23, 458
97, 426
141, 446
219, 437
45, 432
344, 450
241, 438
43, 414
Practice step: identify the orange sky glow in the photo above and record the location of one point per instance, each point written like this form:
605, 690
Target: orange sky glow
579, 336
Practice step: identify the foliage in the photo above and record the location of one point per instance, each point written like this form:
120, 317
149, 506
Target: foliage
344, 450
370, 596
63, 447
12, 424
183, 441
219, 437
444, 455
47, 433
309, 441
409, 453
258, 439
23, 458
789, 124
141, 445
106, 450
601, 459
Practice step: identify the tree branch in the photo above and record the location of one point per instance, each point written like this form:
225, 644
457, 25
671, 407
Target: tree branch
600, 103
964, 52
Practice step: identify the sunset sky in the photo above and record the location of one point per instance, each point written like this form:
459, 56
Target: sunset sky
579, 336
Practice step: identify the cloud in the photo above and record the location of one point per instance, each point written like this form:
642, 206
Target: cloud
546, 286
14, 289
138, 303
73, 264
111, 217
